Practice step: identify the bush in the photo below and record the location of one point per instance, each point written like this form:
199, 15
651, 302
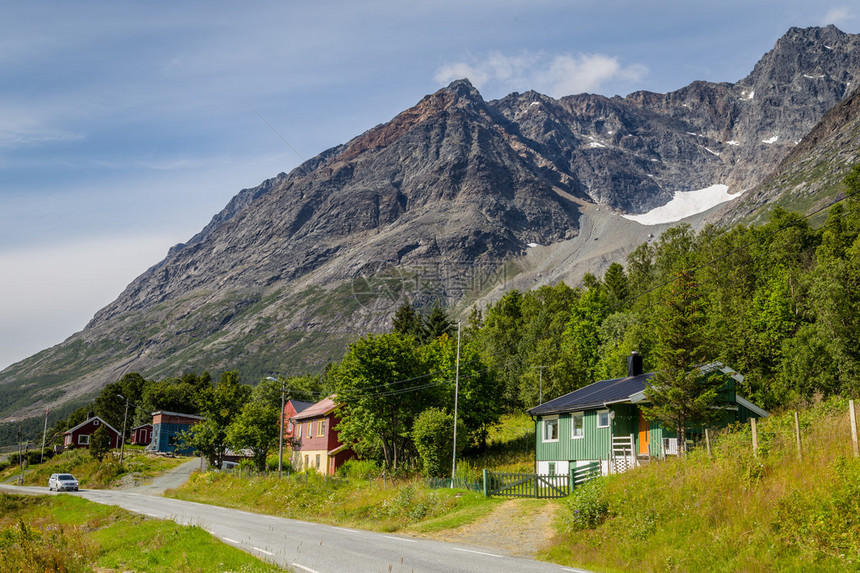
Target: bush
588, 505
433, 435
361, 469
99, 443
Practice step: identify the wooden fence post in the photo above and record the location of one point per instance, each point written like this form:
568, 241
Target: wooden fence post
853, 429
485, 482
754, 435
797, 435
708, 442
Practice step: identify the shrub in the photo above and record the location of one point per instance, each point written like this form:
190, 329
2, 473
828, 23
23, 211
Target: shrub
362, 469
588, 505
99, 443
433, 435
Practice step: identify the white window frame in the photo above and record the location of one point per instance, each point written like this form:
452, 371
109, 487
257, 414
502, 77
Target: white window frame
299, 431
83, 439
608, 418
544, 427
581, 416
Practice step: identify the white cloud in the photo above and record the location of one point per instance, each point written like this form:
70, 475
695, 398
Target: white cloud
556, 76
838, 15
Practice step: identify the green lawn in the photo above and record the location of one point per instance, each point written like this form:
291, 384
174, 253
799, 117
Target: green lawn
70, 534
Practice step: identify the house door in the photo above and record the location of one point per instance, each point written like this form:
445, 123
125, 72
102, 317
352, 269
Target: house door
644, 435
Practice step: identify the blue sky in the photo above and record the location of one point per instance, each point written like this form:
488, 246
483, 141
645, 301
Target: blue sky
125, 126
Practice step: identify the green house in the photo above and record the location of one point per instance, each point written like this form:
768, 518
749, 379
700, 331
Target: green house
603, 422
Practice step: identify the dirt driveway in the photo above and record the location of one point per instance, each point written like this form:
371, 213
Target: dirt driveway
518, 526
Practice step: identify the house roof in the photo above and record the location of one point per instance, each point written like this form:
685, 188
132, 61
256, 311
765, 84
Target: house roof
141, 426
630, 389
321, 408
87, 421
299, 405
595, 395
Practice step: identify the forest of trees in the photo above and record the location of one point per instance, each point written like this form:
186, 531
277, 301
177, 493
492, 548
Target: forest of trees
779, 303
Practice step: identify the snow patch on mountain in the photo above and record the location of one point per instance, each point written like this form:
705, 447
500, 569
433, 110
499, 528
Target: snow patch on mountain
685, 204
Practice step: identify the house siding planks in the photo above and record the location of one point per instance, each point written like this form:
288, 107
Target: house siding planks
595, 445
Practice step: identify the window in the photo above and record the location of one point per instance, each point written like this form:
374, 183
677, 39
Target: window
306, 461
96, 422
603, 419
577, 425
318, 461
552, 468
310, 434
299, 433
550, 429
83, 440
321, 428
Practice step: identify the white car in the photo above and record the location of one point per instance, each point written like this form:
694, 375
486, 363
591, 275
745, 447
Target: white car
63, 482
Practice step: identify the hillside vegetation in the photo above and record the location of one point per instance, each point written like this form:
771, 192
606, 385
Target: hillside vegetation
734, 511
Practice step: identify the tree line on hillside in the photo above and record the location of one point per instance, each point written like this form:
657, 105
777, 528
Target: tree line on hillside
779, 303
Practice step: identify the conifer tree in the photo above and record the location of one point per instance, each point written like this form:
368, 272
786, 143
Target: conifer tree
680, 395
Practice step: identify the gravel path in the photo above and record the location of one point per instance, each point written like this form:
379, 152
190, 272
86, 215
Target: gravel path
174, 478
517, 526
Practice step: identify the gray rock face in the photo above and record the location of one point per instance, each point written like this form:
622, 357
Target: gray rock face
456, 182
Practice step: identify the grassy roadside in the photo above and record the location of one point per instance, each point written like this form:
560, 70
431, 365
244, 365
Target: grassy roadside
368, 504
71, 534
734, 511
137, 467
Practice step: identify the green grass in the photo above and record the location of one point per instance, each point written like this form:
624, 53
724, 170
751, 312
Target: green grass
137, 467
68, 533
734, 511
470, 508
510, 446
379, 505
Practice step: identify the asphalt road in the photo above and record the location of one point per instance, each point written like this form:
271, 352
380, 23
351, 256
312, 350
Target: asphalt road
311, 547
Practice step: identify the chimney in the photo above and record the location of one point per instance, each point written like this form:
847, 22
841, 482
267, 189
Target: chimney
634, 364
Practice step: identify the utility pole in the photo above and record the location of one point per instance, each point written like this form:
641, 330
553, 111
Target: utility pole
44, 435
456, 399
20, 457
122, 437
540, 383
281, 438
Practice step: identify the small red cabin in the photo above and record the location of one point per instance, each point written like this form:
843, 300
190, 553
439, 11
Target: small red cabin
141, 435
79, 436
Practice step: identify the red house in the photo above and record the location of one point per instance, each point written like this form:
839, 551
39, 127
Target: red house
291, 408
316, 443
141, 435
79, 436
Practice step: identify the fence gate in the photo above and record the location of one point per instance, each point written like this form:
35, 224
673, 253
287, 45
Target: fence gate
539, 486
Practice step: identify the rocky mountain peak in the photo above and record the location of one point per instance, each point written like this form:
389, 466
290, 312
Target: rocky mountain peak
458, 94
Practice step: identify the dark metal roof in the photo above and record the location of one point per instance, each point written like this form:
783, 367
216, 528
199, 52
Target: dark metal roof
299, 405
594, 395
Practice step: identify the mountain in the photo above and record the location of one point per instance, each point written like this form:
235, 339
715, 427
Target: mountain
452, 201
810, 177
